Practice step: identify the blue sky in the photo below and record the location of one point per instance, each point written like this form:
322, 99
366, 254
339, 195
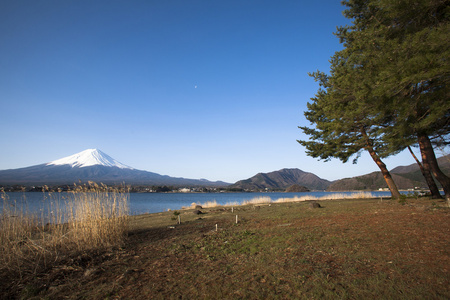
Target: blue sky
196, 89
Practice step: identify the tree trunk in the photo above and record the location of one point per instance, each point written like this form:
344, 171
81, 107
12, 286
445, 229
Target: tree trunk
387, 176
428, 177
429, 158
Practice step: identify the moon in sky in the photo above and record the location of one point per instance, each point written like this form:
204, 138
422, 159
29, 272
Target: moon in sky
195, 87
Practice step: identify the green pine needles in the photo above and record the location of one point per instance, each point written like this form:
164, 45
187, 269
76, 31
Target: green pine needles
388, 88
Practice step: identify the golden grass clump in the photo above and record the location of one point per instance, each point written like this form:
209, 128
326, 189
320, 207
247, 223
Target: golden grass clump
89, 217
15, 229
257, 200
268, 200
208, 204
234, 203
335, 196
96, 216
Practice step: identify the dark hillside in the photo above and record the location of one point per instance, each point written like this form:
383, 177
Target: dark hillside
406, 177
282, 179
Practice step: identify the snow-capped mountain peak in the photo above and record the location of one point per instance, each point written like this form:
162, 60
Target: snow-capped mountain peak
89, 157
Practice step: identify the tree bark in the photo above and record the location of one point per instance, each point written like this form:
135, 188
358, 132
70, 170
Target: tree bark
387, 176
428, 177
429, 160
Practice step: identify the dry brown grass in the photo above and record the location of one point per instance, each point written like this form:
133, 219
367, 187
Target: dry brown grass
89, 217
258, 200
335, 196
348, 249
268, 200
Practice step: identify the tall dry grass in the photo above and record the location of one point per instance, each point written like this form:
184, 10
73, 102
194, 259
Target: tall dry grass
257, 200
89, 217
268, 200
335, 196
97, 217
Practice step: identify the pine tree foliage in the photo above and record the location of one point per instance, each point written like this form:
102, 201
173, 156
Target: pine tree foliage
344, 124
407, 46
390, 84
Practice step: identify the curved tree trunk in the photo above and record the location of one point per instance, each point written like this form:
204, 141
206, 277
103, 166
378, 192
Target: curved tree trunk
428, 177
387, 176
429, 158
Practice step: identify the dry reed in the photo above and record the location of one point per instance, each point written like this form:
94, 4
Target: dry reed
268, 200
257, 200
336, 196
208, 204
89, 217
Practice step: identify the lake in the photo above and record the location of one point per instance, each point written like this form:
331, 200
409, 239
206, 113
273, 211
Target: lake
141, 203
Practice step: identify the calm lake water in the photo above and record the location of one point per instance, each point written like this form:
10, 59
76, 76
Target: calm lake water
140, 203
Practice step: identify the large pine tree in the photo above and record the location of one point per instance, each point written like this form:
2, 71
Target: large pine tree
343, 117
408, 44
396, 58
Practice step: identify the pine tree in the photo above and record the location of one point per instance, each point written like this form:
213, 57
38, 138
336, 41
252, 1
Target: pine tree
392, 80
343, 119
407, 43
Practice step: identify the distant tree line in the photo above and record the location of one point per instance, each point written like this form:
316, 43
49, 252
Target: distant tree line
129, 188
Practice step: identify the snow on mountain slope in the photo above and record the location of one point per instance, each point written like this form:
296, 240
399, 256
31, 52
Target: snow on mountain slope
89, 157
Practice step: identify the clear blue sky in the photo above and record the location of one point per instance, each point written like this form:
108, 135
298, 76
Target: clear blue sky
196, 89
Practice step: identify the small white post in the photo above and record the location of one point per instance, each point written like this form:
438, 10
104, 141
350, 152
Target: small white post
236, 219
232, 209
216, 227
179, 219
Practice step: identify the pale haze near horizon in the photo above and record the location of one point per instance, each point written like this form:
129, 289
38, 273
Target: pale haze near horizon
194, 89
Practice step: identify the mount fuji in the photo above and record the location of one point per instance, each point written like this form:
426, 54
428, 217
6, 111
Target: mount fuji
92, 165
87, 158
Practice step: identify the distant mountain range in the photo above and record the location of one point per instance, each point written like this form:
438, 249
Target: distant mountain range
406, 177
92, 165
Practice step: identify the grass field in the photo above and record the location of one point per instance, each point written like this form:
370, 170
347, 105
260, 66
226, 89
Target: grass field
348, 249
